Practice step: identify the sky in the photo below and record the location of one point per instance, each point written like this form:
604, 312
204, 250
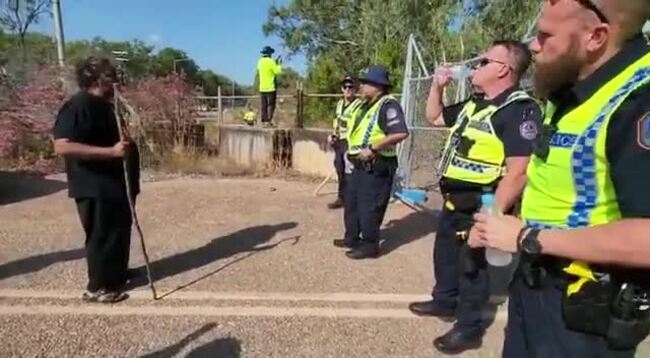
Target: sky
222, 35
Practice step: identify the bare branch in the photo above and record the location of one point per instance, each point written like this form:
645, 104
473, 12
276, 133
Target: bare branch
339, 42
33, 15
18, 15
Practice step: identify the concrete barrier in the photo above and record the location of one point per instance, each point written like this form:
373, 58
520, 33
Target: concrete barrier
311, 154
245, 146
304, 150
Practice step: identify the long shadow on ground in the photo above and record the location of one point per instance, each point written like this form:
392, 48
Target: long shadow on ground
38, 262
222, 347
17, 187
414, 226
246, 240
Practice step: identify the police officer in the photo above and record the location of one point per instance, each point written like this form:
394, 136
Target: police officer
268, 70
585, 207
488, 150
377, 126
87, 136
339, 138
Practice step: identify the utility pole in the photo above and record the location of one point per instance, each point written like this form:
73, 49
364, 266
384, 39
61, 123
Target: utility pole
122, 58
58, 29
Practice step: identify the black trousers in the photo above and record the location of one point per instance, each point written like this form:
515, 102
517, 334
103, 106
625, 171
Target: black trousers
461, 273
107, 224
536, 327
268, 105
366, 198
340, 148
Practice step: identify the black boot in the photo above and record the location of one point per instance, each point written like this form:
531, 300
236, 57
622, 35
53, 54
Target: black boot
433, 308
456, 342
364, 251
347, 244
337, 204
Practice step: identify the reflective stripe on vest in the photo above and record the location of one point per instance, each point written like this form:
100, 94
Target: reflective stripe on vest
366, 130
573, 188
484, 162
343, 116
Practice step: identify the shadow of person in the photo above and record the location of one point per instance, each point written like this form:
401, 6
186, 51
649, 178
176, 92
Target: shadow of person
17, 187
171, 351
39, 262
246, 240
222, 348
414, 226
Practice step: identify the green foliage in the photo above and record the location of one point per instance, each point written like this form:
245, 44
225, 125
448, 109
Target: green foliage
143, 61
345, 36
211, 81
139, 56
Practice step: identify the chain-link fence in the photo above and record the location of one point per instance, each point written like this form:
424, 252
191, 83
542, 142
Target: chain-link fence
420, 152
232, 109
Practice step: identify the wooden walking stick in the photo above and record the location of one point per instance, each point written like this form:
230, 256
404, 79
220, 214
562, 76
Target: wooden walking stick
129, 195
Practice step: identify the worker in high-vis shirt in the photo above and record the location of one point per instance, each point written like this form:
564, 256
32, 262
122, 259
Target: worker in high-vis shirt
488, 149
582, 288
338, 140
374, 130
268, 71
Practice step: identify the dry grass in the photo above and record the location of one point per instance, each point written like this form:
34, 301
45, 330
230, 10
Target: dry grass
200, 164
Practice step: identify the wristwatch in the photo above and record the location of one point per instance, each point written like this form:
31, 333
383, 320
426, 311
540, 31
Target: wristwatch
528, 242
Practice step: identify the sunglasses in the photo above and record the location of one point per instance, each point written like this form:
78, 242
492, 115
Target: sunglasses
348, 87
486, 61
589, 5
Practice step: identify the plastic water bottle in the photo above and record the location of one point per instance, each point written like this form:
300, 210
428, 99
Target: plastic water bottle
494, 257
459, 72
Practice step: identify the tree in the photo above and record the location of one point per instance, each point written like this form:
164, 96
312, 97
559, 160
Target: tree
18, 15
139, 54
211, 81
170, 59
345, 36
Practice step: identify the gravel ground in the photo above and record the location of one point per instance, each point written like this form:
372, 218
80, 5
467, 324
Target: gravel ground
258, 276
225, 337
242, 234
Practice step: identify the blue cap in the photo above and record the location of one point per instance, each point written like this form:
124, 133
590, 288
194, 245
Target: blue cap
377, 75
487, 199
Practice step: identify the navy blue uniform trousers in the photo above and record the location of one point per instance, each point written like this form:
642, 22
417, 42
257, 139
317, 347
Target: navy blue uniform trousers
456, 287
340, 148
536, 327
366, 198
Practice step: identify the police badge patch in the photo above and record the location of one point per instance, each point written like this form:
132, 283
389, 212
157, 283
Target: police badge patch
528, 130
391, 113
643, 132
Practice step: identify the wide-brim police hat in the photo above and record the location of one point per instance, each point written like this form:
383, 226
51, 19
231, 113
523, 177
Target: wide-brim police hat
377, 75
267, 50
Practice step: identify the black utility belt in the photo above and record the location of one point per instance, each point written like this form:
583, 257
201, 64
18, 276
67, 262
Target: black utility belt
617, 311
354, 159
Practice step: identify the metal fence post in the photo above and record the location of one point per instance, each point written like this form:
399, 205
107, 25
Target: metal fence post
300, 96
219, 105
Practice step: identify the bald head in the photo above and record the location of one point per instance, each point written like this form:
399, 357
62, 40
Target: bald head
576, 37
626, 17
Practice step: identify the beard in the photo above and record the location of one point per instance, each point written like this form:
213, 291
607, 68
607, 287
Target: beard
553, 76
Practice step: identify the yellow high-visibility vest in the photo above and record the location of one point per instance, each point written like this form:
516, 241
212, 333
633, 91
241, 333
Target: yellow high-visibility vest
484, 163
343, 116
572, 188
366, 130
268, 70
